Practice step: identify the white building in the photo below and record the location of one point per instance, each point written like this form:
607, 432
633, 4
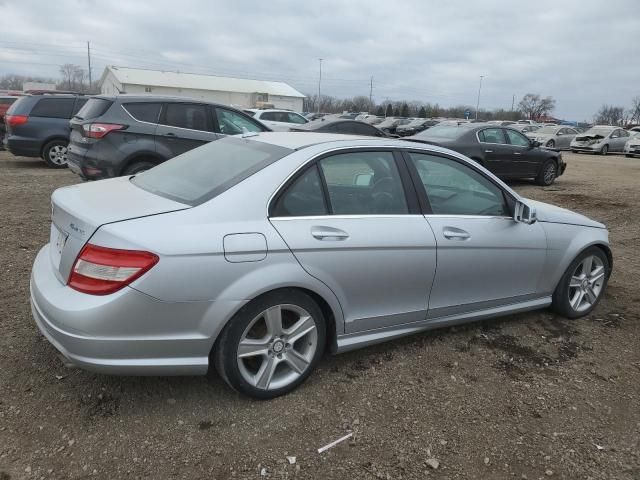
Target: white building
237, 92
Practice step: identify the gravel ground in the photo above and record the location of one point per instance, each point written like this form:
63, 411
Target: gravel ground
528, 396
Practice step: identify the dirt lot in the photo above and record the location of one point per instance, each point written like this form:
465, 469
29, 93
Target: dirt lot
529, 396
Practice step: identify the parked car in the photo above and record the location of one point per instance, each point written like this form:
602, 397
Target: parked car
373, 120
197, 263
277, 120
310, 116
390, 124
339, 125
501, 123
527, 122
415, 126
632, 147
127, 134
38, 126
600, 139
635, 129
554, 137
525, 128
504, 151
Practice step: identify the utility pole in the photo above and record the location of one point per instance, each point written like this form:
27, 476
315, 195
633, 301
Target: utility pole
319, 83
89, 61
479, 90
371, 95
513, 102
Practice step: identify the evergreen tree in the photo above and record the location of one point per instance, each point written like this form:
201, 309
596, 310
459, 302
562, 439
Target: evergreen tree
389, 112
405, 110
380, 111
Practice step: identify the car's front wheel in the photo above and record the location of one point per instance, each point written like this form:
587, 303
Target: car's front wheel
583, 284
551, 144
54, 154
604, 150
547, 174
272, 344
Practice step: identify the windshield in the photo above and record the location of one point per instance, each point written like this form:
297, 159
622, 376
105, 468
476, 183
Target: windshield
603, 132
203, 173
444, 131
549, 130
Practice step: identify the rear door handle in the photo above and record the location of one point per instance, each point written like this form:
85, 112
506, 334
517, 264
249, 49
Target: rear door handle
453, 233
169, 134
328, 233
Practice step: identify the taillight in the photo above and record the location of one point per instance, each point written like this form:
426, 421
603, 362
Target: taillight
99, 130
101, 270
15, 120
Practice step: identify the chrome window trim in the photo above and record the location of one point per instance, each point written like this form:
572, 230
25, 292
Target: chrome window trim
489, 143
122, 105
347, 217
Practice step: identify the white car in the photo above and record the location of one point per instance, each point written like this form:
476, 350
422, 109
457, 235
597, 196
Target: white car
277, 120
632, 147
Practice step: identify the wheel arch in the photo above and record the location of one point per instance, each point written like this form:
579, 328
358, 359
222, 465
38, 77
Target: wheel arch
141, 156
50, 139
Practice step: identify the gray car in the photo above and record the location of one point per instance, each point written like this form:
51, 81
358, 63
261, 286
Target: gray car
554, 136
600, 139
258, 254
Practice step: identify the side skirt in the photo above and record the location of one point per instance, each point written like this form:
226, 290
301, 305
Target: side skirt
346, 343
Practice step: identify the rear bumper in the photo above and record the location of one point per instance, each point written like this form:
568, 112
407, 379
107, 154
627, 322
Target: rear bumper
22, 147
127, 333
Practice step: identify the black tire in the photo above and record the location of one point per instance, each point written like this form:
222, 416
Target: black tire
548, 173
224, 354
551, 144
574, 151
604, 150
628, 155
54, 154
138, 167
560, 303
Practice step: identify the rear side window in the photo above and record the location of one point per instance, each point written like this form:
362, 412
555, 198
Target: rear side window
186, 115
80, 101
144, 112
491, 135
203, 173
303, 198
94, 108
53, 108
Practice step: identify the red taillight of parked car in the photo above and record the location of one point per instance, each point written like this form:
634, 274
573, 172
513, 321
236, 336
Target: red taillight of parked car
101, 270
15, 120
99, 130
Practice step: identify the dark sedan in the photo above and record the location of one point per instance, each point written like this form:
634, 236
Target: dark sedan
503, 150
339, 125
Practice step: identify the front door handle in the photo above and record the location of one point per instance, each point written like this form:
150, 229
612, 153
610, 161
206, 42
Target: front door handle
169, 134
453, 233
328, 233
488, 151
517, 153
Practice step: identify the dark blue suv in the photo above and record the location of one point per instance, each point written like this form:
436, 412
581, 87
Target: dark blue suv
38, 126
127, 134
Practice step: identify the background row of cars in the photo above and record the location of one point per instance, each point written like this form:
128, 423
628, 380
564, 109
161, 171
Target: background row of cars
106, 136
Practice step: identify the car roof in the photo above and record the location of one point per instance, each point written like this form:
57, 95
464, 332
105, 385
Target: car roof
128, 97
300, 140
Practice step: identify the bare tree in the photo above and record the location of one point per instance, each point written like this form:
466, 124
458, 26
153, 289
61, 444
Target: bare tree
72, 77
15, 82
533, 106
610, 115
634, 111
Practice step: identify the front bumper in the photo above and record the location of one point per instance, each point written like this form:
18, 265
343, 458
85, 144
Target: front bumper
128, 332
586, 148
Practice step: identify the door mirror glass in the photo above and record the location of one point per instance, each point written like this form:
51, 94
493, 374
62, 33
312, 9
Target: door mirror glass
524, 213
363, 179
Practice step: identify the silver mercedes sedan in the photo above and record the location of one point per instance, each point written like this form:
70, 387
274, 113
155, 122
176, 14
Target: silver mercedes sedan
258, 254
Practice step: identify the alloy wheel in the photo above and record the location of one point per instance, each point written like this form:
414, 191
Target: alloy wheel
550, 173
585, 285
58, 154
277, 347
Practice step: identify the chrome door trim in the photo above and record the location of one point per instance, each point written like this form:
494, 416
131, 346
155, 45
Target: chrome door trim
347, 217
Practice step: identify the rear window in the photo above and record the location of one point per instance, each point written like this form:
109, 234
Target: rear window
53, 108
7, 101
203, 173
144, 112
444, 131
94, 108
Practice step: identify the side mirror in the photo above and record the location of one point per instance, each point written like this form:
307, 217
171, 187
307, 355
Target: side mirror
535, 143
524, 213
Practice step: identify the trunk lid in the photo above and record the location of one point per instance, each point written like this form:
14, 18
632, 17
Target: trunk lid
79, 210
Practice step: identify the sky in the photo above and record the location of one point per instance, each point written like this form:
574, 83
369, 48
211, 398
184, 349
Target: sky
583, 53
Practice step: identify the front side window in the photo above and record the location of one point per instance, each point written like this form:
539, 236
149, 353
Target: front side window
295, 118
517, 139
364, 183
53, 108
232, 123
491, 135
270, 116
456, 189
144, 112
186, 115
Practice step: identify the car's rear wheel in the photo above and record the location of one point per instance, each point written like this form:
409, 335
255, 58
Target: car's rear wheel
272, 344
604, 150
54, 154
574, 151
583, 284
138, 167
547, 174
628, 155
551, 144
